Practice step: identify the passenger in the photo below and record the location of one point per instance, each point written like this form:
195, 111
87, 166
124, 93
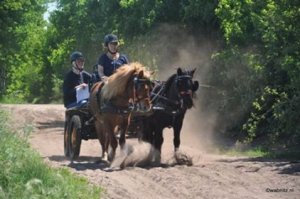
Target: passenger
75, 78
111, 60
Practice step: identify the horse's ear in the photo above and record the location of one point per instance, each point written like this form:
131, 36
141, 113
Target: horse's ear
192, 72
179, 71
141, 74
195, 86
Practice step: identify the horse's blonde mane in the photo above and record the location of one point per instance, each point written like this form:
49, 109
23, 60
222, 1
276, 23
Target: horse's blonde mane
117, 83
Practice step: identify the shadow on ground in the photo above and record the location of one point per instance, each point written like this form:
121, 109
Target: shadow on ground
52, 124
289, 167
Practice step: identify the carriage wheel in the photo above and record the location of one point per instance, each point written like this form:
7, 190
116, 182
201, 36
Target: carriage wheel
66, 137
74, 137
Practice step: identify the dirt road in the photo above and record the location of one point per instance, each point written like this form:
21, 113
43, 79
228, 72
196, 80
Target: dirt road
210, 176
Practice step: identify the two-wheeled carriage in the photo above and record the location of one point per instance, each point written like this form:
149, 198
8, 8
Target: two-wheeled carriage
79, 125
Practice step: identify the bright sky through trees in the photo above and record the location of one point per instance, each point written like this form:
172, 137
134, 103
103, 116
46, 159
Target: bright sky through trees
50, 8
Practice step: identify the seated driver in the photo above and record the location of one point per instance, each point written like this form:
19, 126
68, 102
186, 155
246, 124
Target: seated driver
111, 59
75, 78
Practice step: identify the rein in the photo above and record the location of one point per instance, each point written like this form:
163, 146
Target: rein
136, 99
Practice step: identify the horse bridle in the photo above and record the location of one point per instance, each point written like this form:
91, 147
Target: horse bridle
180, 95
185, 92
137, 82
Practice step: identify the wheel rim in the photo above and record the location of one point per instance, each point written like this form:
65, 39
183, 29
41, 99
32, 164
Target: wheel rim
66, 142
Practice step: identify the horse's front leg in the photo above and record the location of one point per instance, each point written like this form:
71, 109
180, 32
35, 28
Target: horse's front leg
101, 134
110, 141
158, 138
177, 129
147, 132
113, 144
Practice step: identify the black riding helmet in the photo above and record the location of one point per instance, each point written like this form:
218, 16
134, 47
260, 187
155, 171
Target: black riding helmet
76, 55
110, 38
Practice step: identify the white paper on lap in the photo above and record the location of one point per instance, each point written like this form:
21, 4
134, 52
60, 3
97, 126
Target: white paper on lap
82, 93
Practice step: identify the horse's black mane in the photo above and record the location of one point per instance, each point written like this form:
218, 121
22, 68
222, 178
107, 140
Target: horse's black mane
170, 81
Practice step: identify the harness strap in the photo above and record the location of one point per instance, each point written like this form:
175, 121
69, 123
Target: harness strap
108, 107
98, 95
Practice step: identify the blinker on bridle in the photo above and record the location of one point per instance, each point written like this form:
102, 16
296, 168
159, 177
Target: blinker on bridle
183, 77
137, 83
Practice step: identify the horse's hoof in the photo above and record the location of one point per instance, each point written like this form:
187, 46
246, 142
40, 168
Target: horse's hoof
104, 157
111, 156
108, 169
183, 159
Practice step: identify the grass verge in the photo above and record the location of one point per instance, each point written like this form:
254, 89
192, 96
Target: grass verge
24, 175
258, 152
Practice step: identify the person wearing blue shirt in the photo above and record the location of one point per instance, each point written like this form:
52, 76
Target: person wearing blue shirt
111, 60
75, 78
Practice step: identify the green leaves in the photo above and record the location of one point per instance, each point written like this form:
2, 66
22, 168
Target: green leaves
272, 29
22, 42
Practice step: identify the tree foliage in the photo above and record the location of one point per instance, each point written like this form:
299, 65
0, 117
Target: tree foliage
255, 73
21, 37
272, 29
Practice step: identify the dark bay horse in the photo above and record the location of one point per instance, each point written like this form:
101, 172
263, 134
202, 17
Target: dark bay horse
174, 97
112, 103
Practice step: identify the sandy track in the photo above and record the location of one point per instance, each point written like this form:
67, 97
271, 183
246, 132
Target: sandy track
211, 176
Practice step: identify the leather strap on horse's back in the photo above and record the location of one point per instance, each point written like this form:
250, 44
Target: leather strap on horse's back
98, 95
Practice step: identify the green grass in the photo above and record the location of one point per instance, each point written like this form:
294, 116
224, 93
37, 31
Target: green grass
24, 175
8, 99
255, 152
289, 154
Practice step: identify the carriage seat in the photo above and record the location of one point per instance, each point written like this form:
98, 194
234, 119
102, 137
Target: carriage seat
81, 104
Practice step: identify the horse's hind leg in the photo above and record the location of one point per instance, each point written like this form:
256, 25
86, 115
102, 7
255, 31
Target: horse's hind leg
124, 129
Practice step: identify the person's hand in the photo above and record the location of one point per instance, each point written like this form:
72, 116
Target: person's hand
83, 85
104, 78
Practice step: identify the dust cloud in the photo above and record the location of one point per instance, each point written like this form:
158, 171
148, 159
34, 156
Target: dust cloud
143, 154
173, 46
179, 48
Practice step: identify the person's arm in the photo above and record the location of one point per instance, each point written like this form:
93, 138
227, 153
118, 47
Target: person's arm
102, 76
101, 65
100, 71
68, 88
69, 91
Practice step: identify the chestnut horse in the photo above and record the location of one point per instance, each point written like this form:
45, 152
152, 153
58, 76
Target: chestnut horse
113, 101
